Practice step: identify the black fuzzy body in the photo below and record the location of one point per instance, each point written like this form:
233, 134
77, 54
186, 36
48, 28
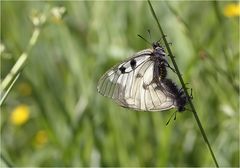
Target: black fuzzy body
176, 93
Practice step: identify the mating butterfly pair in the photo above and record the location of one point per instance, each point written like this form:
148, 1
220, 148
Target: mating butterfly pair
141, 83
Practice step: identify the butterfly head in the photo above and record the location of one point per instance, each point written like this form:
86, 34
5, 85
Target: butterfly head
155, 44
158, 49
181, 103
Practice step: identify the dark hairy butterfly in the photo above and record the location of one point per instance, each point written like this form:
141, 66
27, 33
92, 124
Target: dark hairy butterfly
177, 94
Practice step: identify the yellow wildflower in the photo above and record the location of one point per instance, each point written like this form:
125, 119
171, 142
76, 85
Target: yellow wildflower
232, 10
41, 138
20, 115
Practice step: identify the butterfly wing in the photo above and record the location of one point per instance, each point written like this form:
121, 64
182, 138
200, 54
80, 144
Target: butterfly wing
116, 78
133, 87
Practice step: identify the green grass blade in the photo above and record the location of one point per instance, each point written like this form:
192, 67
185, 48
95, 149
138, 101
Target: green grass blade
8, 90
6, 162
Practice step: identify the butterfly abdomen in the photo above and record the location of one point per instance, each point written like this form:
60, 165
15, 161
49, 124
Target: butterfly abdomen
162, 71
177, 94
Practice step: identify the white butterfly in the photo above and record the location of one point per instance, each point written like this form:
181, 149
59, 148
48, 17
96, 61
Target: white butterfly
136, 83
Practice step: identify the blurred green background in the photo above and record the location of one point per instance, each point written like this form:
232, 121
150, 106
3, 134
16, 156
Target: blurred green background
54, 116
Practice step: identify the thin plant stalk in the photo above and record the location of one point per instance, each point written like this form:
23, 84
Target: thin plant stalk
20, 62
8, 90
183, 86
8, 164
38, 20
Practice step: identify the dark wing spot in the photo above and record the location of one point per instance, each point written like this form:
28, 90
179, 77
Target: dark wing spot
133, 63
139, 75
122, 69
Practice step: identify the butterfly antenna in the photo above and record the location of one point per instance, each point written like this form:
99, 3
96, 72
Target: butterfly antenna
175, 117
144, 39
161, 42
149, 33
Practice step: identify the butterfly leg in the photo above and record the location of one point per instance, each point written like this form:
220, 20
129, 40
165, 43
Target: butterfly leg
190, 96
175, 117
167, 65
